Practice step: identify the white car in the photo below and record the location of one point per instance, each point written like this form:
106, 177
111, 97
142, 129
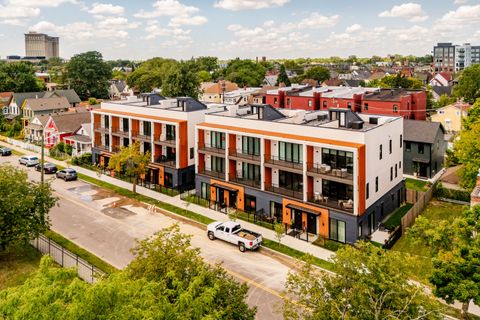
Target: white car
29, 161
232, 232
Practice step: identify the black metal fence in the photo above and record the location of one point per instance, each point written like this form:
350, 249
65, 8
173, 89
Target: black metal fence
66, 259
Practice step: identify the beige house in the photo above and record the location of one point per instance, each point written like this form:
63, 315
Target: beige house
212, 92
451, 116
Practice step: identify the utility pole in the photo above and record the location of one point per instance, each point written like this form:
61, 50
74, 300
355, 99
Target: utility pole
42, 173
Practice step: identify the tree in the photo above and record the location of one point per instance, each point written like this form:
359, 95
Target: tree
245, 73
119, 75
131, 162
369, 283
319, 74
282, 77
456, 263
473, 115
445, 100
209, 64
18, 77
468, 86
396, 81
150, 74
279, 231
88, 75
204, 76
181, 81
24, 207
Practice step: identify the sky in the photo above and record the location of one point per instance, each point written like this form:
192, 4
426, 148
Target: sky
181, 29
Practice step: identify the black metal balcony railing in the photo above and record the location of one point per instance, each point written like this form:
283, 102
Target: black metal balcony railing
345, 205
214, 174
284, 162
238, 178
166, 161
118, 132
240, 154
145, 136
212, 148
328, 170
101, 147
298, 194
98, 127
166, 140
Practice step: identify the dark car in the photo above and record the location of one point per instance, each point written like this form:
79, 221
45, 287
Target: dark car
47, 168
67, 174
6, 152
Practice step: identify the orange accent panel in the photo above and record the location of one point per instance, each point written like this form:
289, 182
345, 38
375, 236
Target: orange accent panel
361, 180
157, 130
98, 138
158, 151
136, 115
310, 187
115, 141
283, 135
309, 154
240, 195
161, 176
115, 123
96, 119
268, 149
304, 220
268, 176
201, 161
201, 138
136, 126
232, 142
232, 168
322, 221
213, 193
102, 160
184, 152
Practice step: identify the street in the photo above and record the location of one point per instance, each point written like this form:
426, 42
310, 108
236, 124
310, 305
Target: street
107, 225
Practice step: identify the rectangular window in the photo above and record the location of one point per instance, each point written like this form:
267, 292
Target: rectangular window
365, 106
396, 170
276, 210
125, 125
251, 145
170, 132
107, 122
126, 142
250, 203
421, 149
309, 103
401, 140
288, 101
291, 181
380, 150
147, 128
337, 230
107, 140
217, 140
349, 105
217, 164
325, 104
408, 146
251, 172
400, 164
376, 184
367, 190
395, 108
337, 159
192, 153
390, 147
290, 152
391, 173
205, 190
274, 100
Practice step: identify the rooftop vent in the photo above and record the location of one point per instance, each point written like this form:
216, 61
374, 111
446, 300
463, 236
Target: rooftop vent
357, 125
373, 120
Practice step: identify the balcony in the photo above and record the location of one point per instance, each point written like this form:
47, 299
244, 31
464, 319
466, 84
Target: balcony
116, 149
325, 171
297, 194
102, 147
284, 163
212, 149
143, 137
244, 156
213, 174
343, 205
237, 178
168, 162
99, 128
121, 133
165, 140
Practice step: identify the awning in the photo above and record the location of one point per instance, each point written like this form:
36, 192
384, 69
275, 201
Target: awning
216, 185
421, 160
34, 126
306, 210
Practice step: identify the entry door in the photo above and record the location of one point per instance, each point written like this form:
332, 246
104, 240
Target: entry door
312, 223
423, 169
297, 219
232, 201
221, 197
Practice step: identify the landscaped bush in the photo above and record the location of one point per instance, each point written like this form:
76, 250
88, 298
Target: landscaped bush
61, 150
85, 158
460, 195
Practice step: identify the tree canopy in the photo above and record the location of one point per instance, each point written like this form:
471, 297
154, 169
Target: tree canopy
245, 73
166, 280
468, 86
282, 77
181, 81
369, 283
151, 74
319, 74
396, 81
24, 207
88, 75
18, 77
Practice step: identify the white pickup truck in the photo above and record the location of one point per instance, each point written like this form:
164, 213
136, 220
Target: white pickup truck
232, 232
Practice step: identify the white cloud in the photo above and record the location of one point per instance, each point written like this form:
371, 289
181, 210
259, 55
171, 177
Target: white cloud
460, 1
458, 19
411, 11
154, 30
39, 3
187, 21
353, 28
237, 5
106, 9
12, 12
316, 20
180, 14
14, 22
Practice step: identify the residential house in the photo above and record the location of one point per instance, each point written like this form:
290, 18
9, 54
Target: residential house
45, 106
119, 89
441, 79
34, 129
63, 125
81, 140
423, 76
214, 92
70, 94
451, 116
333, 174
241, 96
270, 80
424, 149
438, 91
5, 98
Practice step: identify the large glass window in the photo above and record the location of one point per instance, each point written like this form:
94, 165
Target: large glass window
338, 159
337, 230
217, 164
421, 148
217, 139
251, 145
276, 210
125, 125
147, 128
250, 203
170, 131
336, 190
250, 171
291, 181
290, 152
205, 190
106, 121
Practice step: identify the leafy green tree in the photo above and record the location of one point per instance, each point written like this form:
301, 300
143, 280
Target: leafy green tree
245, 73
24, 207
473, 115
150, 74
131, 162
181, 81
88, 75
397, 81
445, 100
18, 77
209, 64
319, 74
119, 75
279, 231
369, 283
204, 76
282, 77
468, 86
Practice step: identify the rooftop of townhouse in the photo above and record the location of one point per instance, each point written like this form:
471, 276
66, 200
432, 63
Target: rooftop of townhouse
336, 92
343, 119
294, 87
240, 92
389, 94
155, 101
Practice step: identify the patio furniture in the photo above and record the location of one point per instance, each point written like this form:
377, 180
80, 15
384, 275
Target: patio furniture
343, 172
346, 204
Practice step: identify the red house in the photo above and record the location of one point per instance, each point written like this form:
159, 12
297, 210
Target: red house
64, 125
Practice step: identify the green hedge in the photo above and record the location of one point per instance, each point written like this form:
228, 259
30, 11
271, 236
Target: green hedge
460, 195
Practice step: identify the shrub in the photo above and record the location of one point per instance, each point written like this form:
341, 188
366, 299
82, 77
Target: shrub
460, 195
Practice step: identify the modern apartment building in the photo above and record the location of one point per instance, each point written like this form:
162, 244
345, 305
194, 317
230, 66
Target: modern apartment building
165, 127
409, 104
454, 58
332, 173
41, 45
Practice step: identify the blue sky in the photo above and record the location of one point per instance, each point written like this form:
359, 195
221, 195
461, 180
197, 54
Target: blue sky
142, 29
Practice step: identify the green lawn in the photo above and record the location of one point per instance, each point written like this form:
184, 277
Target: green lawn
396, 218
17, 264
414, 184
421, 265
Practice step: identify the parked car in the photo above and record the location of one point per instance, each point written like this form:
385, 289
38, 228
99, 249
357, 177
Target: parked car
232, 232
47, 168
29, 161
6, 152
67, 174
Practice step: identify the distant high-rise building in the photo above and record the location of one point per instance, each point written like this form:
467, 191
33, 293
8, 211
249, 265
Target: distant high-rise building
41, 45
454, 58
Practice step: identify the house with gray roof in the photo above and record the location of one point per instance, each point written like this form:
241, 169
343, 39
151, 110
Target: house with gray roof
424, 148
36, 107
60, 126
70, 94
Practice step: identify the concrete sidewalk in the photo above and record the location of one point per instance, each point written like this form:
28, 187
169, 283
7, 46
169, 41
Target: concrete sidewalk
289, 241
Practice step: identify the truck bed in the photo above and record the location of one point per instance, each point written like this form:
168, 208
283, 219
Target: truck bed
247, 234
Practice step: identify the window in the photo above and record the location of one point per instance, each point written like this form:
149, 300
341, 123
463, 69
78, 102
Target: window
192, 153
408, 146
401, 140
400, 164
125, 125
251, 145
107, 140
288, 101
309, 103
390, 146
396, 170
126, 142
290, 152
367, 190
349, 105
336, 190
106, 121
276, 210
217, 164
170, 132
338, 159
274, 100
250, 203
217, 139
291, 181
391, 173
205, 190
380, 150
147, 128
365, 106
359, 230
376, 184
324, 104
337, 230
421, 148
395, 108
251, 172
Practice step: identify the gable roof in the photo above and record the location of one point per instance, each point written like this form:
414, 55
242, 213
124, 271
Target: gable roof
70, 94
70, 121
442, 90
22, 96
44, 104
462, 106
216, 88
421, 131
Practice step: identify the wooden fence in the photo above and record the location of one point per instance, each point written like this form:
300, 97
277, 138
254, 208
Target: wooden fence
420, 201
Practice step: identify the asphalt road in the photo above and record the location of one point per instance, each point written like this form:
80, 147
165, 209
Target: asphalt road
107, 225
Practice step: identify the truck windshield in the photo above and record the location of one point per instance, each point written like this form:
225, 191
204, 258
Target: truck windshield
236, 228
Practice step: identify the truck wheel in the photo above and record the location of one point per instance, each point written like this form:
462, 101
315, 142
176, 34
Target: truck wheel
211, 236
241, 247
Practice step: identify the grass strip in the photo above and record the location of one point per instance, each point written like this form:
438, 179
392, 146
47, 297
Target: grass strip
82, 253
414, 184
17, 264
396, 218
